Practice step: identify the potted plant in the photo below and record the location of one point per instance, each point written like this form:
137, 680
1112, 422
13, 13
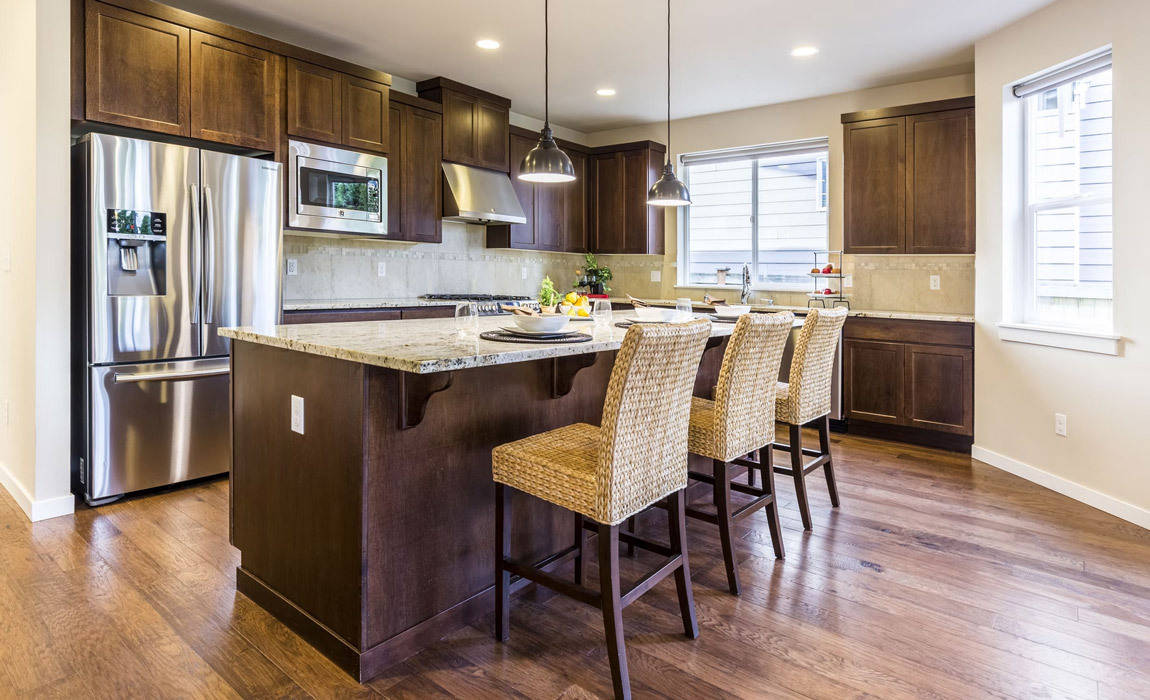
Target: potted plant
548, 296
593, 276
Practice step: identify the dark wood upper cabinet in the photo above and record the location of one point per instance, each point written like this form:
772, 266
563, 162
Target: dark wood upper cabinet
475, 123
517, 235
137, 70
909, 179
365, 105
235, 93
940, 182
623, 223
574, 233
314, 102
414, 177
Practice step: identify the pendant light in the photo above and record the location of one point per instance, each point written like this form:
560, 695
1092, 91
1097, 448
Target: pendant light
546, 162
668, 190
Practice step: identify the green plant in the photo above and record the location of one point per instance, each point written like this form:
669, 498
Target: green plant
548, 295
593, 273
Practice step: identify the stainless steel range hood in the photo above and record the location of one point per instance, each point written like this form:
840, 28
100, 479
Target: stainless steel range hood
478, 196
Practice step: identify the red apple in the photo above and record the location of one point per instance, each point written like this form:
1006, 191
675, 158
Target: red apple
828, 290
827, 269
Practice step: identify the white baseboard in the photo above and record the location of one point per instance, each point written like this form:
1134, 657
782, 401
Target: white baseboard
36, 510
1107, 504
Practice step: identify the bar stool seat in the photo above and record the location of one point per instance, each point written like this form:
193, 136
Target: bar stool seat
558, 466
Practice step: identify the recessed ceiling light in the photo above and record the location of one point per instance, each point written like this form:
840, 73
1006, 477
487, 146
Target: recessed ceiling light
605, 92
489, 44
804, 51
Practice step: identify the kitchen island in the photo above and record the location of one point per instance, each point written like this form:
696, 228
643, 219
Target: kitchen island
366, 524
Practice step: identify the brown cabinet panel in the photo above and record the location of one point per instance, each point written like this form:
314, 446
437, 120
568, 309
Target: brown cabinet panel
314, 102
137, 70
575, 207
874, 380
422, 176
940, 182
874, 186
636, 216
910, 331
939, 383
235, 93
517, 235
609, 197
491, 132
459, 127
340, 315
365, 114
550, 215
396, 166
428, 312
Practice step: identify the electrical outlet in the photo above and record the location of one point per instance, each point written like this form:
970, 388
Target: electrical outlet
935, 283
292, 267
381, 269
1061, 425
297, 414
523, 272
656, 276
848, 281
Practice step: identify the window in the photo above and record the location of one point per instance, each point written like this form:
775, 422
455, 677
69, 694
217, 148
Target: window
1066, 262
763, 206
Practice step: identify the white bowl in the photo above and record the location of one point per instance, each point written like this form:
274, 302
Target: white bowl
546, 323
730, 311
651, 313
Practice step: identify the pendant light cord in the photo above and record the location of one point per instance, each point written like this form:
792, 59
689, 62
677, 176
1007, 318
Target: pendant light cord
668, 82
547, 63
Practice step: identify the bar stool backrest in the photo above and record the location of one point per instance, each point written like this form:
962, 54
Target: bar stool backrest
643, 433
809, 388
745, 394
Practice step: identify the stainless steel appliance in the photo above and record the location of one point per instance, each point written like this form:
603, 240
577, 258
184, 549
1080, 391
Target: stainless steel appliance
479, 196
335, 190
171, 243
488, 304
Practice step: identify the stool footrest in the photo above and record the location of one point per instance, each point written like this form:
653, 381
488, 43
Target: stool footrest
809, 451
632, 538
702, 515
807, 468
543, 578
752, 506
668, 567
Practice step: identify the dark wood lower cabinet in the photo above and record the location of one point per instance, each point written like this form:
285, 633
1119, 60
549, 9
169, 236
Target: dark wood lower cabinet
387, 314
910, 380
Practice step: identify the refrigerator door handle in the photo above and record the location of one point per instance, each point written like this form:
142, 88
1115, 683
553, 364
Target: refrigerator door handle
210, 238
126, 377
197, 253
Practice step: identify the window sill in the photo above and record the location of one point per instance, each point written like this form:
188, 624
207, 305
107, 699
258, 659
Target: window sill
736, 287
1084, 341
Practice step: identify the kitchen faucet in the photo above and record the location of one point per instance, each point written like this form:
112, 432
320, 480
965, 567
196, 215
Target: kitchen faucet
745, 294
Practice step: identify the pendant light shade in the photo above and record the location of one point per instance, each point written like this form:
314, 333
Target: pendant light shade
668, 190
546, 162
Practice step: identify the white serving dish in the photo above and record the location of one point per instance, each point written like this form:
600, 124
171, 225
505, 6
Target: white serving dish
652, 314
730, 311
545, 323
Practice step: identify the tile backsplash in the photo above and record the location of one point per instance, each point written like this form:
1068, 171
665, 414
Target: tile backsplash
339, 268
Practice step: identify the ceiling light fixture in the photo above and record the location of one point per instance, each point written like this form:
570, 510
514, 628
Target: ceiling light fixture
668, 190
804, 51
546, 162
605, 92
487, 44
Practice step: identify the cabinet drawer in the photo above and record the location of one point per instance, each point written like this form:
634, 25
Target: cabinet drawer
340, 315
907, 331
428, 312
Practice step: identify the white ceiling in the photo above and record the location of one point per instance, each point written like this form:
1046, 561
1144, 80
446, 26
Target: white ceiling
728, 54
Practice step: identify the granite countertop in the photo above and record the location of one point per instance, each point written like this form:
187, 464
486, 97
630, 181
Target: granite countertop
857, 313
378, 303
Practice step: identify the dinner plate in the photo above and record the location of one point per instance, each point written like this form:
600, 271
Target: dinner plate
536, 334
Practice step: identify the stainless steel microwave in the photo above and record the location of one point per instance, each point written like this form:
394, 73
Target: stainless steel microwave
335, 190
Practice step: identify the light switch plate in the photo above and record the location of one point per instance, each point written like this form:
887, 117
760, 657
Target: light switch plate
656, 276
292, 267
523, 272
1061, 425
848, 281
935, 283
297, 414
381, 269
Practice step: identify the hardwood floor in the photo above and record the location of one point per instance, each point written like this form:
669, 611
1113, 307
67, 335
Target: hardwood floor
936, 578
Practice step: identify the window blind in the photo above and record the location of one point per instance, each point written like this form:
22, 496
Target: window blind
766, 150
1076, 69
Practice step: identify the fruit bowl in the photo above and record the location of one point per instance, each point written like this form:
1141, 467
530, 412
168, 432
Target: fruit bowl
544, 323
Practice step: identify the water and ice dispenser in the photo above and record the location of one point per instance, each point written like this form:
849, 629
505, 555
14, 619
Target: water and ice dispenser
137, 252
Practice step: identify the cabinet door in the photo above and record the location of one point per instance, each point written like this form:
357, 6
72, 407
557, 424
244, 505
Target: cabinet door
522, 235
940, 388
396, 172
235, 93
574, 231
422, 175
609, 194
136, 70
365, 112
459, 127
314, 102
491, 132
636, 217
940, 182
874, 380
874, 186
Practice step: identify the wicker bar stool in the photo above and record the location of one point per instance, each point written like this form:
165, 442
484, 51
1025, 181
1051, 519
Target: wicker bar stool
637, 457
741, 420
806, 398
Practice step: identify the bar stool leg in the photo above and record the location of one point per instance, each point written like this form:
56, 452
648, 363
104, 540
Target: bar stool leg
502, 551
631, 530
581, 550
609, 591
768, 461
755, 457
723, 511
828, 468
797, 468
677, 521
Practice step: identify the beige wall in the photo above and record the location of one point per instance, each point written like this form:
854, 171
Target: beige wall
1018, 388
34, 248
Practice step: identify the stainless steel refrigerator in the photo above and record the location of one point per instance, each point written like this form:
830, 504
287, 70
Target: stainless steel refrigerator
171, 243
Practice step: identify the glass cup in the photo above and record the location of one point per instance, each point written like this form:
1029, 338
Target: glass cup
467, 320
684, 310
601, 312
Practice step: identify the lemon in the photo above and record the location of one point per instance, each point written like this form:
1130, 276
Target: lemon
572, 298
583, 312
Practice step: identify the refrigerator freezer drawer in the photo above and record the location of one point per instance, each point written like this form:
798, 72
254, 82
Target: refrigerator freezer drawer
157, 423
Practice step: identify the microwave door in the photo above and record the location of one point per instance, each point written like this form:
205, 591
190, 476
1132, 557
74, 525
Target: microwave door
142, 214
242, 205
